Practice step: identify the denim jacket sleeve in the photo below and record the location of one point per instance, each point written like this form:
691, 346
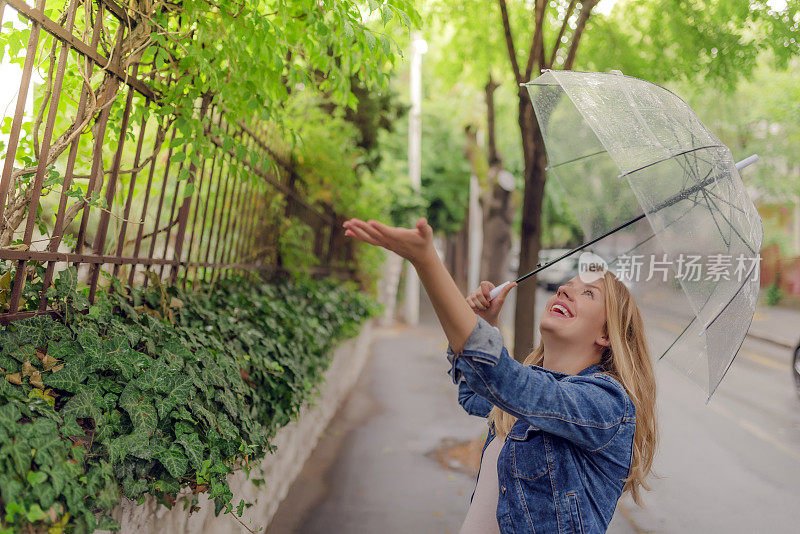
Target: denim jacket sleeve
472, 403
587, 410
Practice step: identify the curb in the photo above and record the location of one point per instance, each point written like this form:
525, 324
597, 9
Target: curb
771, 340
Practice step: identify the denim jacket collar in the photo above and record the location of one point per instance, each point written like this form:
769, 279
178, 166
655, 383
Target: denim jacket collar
594, 368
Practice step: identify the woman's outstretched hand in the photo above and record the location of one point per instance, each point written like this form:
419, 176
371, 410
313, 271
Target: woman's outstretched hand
413, 244
416, 245
479, 301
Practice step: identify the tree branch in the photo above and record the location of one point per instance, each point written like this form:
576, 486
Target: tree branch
586, 11
537, 40
512, 54
557, 44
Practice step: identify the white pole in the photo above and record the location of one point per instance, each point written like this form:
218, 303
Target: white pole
418, 47
475, 233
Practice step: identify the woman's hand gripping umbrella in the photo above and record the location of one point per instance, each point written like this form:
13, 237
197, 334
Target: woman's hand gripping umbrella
486, 305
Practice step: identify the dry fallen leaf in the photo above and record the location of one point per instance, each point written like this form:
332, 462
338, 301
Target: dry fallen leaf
27, 368
49, 362
14, 378
36, 380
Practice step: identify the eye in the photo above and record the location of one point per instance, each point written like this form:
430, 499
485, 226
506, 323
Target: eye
589, 291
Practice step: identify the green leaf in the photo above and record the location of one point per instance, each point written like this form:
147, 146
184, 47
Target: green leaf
71, 427
70, 377
155, 377
92, 347
174, 460
193, 447
212, 374
35, 513
178, 390
140, 408
9, 415
227, 428
137, 444
36, 477
34, 330
83, 404
20, 452
66, 283
130, 363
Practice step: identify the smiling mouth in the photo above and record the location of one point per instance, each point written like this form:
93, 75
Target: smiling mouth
559, 311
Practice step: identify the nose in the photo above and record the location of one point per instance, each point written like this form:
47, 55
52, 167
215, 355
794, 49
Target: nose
562, 290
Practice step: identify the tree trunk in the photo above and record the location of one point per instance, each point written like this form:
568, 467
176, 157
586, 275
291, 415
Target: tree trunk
498, 209
456, 257
530, 239
534, 155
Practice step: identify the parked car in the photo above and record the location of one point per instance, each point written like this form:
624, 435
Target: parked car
796, 368
558, 273
553, 276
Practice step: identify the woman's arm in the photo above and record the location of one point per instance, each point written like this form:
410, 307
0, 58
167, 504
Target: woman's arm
416, 245
455, 315
472, 403
587, 410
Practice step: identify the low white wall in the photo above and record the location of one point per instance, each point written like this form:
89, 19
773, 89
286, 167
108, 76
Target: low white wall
294, 443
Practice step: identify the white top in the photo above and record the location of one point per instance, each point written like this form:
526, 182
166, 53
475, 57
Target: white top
482, 514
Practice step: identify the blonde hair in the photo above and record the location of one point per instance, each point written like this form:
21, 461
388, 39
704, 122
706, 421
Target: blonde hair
627, 359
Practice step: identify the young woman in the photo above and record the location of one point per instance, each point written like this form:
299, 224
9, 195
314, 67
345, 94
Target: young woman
573, 426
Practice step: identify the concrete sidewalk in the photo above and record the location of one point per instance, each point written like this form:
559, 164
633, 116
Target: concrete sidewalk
378, 467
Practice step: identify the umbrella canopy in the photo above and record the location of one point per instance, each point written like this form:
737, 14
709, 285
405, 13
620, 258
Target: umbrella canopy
622, 148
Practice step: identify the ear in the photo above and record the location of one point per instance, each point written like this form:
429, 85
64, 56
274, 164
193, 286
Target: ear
603, 339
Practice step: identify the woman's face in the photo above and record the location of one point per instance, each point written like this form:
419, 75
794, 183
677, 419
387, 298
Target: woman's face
576, 311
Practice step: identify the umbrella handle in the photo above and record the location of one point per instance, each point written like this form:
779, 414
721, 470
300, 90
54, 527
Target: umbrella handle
496, 291
746, 162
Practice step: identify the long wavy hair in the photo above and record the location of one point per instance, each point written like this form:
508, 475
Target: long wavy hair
627, 359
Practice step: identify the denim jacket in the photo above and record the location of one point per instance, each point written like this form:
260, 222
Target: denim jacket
561, 467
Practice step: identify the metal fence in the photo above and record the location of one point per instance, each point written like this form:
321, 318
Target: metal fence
140, 209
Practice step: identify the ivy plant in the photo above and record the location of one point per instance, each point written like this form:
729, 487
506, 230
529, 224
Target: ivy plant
151, 390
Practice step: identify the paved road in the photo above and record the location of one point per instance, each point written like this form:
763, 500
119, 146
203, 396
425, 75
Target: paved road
730, 466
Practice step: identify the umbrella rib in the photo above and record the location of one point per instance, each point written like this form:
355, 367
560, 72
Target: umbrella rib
733, 227
694, 317
746, 279
737, 208
668, 158
727, 243
688, 172
692, 170
640, 243
575, 159
705, 194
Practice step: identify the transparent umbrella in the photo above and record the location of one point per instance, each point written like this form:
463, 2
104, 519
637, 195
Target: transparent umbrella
660, 200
